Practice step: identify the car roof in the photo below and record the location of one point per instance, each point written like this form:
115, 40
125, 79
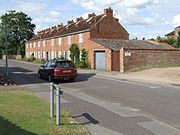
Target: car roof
59, 60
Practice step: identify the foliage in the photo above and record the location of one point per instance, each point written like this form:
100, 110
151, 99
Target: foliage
178, 41
169, 40
19, 29
32, 58
40, 61
75, 52
84, 58
23, 113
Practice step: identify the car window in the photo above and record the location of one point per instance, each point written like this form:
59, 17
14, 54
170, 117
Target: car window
49, 64
65, 64
53, 64
45, 65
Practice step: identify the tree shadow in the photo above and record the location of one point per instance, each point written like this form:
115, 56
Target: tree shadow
9, 128
23, 76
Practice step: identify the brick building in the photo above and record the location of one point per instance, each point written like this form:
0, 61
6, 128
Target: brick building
174, 33
55, 42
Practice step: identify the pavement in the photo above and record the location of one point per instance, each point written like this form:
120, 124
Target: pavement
107, 103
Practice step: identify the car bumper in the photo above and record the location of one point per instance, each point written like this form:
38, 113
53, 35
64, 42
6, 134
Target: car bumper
67, 76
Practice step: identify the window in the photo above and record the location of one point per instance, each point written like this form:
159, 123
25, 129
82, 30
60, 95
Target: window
68, 55
59, 54
27, 45
34, 44
52, 54
30, 45
44, 43
59, 41
81, 38
64, 54
44, 54
69, 40
52, 42
39, 44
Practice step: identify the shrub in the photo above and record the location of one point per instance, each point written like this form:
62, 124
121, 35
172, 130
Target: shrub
32, 58
84, 58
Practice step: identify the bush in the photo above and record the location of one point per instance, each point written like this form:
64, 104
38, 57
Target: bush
84, 58
32, 58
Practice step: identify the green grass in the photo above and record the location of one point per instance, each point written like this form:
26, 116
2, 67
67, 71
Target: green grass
23, 113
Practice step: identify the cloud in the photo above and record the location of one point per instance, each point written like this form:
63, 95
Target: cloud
137, 3
176, 20
54, 14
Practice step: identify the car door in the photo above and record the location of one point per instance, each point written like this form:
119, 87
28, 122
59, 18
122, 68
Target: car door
43, 70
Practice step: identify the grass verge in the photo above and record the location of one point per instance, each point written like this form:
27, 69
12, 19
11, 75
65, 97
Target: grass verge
23, 113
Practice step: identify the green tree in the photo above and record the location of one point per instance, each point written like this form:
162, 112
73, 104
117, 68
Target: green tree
178, 41
84, 58
19, 29
75, 52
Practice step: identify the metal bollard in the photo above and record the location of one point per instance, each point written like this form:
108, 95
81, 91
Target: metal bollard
51, 100
58, 119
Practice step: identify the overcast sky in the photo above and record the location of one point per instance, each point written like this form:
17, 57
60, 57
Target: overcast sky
141, 18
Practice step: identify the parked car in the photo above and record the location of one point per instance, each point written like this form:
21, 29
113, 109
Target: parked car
58, 69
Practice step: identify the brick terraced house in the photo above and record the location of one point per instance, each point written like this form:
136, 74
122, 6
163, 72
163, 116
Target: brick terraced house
107, 42
55, 42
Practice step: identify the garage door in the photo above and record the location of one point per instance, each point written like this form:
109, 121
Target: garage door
100, 60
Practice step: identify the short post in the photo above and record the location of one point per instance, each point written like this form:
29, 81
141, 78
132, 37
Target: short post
51, 100
58, 106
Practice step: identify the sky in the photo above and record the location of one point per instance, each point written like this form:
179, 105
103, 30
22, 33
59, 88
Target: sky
141, 18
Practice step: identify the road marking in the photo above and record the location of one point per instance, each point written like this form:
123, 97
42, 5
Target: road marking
129, 82
154, 126
159, 128
99, 130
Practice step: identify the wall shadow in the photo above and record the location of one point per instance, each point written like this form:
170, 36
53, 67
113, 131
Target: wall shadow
9, 128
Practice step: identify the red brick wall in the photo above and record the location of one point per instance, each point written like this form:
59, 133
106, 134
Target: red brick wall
147, 58
109, 28
88, 44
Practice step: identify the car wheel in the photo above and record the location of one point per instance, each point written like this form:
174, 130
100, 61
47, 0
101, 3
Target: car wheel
50, 78
39, 75
72, 79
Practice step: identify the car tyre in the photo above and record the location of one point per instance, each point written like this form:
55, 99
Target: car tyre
39, 75
50, 78
72, 79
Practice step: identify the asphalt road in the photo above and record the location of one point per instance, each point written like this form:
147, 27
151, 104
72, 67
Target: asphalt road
108, 105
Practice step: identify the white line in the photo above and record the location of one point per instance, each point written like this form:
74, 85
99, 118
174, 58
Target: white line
139, 84
159, 128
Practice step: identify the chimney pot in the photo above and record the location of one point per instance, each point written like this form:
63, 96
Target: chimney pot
91, 15
108, 11
69, 22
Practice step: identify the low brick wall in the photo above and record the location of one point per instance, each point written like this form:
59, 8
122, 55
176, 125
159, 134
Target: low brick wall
146, 58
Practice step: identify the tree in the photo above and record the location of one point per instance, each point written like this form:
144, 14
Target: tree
84, 58
19, 29
178, 41
75, 52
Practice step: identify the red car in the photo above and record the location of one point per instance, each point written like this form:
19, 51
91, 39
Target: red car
58, 69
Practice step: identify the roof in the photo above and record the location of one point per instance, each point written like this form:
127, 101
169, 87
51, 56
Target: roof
117, 44
177, 27
170, 34
72, 27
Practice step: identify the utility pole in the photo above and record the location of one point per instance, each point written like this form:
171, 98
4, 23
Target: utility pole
6, 45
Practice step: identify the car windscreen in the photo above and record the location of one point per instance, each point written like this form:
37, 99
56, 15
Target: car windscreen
64, 64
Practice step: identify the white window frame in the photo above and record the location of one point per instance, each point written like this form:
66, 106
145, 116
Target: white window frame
59, 41
52, 41
52, 55
39, 44
68, 40
30, 45
27, 45
68, 55
34, 44
81, 38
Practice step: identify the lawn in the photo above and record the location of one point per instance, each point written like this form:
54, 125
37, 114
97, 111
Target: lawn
23, 113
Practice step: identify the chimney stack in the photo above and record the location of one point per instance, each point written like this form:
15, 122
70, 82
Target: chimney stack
79, 19
91, 15
69, 22
108, 11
